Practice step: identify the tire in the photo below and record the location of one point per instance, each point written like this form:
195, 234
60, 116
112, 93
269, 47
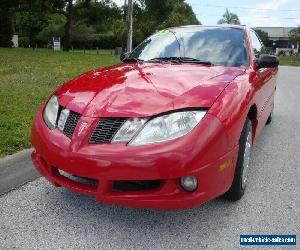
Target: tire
239, 182
270, 118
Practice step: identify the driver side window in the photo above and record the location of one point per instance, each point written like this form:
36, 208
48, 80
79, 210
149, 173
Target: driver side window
256, 44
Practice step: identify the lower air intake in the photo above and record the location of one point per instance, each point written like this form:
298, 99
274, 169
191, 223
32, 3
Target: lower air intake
136, 185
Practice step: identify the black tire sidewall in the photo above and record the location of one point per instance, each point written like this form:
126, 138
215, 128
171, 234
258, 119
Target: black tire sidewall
236, 190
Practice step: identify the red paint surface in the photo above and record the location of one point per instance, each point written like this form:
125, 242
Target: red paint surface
146, 89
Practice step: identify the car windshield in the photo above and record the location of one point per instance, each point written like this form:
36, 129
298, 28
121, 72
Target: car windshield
210, 45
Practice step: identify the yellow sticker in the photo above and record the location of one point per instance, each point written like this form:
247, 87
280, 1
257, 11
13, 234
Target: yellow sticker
162, 32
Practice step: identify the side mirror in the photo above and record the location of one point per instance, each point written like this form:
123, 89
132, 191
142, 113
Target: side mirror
267, 61
124, 55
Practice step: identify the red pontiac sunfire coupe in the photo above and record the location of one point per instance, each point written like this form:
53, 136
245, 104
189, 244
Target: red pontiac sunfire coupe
172, 126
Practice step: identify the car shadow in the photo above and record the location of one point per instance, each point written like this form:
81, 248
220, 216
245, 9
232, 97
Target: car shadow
125, 217
218, 216
137, 226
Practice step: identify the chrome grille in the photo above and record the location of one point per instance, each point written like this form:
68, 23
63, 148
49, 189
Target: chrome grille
106, 129
71, 123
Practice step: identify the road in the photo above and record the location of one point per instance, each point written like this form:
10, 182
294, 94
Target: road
39, 216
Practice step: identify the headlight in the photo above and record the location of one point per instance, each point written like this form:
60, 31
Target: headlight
168, 127
50, 112
129, 129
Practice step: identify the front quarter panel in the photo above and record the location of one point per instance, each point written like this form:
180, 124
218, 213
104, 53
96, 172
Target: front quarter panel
232, 107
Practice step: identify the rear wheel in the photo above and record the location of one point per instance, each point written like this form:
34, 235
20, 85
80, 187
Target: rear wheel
239, 183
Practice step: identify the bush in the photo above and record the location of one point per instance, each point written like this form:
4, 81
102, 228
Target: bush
107, 42
281, 53
24, 41
268, 50
6, 31
102, 41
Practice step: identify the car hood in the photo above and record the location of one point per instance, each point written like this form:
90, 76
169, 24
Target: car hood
144, 89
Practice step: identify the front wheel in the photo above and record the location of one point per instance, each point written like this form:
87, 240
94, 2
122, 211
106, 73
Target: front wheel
270, 117
239, 183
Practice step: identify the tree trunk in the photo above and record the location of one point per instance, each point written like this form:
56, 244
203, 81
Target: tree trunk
68, 26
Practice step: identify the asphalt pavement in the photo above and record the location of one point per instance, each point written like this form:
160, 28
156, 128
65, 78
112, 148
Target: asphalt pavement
40, 216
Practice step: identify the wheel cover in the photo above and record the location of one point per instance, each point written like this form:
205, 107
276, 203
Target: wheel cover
247, 156
272, 112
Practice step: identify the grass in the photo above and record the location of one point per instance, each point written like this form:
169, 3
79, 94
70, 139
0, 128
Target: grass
289, 60
27, 77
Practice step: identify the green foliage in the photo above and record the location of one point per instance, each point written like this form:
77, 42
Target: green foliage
93, 23
27, 77
294, 35
24, 41
119, 30
229, 18
6, 18
98, 14
6, 31
181, 14
152, 15
54, 28
106, 41
268, 50
264, 37
281, 53
82, 32
159, 9
29, 23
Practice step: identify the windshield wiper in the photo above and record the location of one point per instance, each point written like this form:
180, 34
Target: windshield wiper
132, 60
160, 59
194, 60
181, 60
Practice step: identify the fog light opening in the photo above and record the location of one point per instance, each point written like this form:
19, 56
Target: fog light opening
189, 183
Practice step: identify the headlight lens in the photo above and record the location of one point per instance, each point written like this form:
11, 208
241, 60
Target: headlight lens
168, 127
129, 129
50, 112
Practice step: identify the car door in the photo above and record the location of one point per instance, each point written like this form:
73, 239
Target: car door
265, 84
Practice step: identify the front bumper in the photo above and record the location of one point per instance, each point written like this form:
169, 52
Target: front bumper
166, 162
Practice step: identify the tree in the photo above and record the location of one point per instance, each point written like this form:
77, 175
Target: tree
89, 23
6, 29
229, 18
64, 7
54, 28
264, 37
32, 16
83, 35
159, 9
28, 23
182, 14
99, 14
119, 29
294, 35
152, 15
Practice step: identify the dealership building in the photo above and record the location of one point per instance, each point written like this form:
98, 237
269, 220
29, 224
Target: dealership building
279, 37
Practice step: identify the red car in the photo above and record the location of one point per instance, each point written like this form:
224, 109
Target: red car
172, 126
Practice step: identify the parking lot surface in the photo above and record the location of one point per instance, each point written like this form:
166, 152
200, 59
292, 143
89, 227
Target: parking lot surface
40, 216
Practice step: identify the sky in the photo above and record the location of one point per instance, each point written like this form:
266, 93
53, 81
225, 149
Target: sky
254, 13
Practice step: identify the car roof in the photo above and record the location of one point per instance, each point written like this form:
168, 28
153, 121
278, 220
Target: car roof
198, 27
